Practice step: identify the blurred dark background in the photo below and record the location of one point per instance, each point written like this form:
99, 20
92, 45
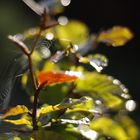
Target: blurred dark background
124, 64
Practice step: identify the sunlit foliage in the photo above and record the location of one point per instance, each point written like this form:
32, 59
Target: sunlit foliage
71, 97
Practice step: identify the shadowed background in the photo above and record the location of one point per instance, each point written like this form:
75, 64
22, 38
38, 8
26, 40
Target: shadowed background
124, 64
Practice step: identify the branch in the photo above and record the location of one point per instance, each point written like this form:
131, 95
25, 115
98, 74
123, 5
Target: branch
19, 44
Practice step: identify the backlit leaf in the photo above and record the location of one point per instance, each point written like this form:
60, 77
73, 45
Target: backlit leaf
68, 33
19, 109
50, 66
24, 80
101, 86
108, 127
117, 36
97, 61
19, 122
16, 138
82, 110
65, 34
51, 78
69, 103
129, 126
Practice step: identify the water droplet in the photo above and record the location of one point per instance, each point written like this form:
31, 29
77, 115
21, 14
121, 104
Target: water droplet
98, 62
98, 102
75, 47
58, 56
19, 37
45, 52
65, 2
130, 105
87, 132
74, 73
63, 20
110, 78
50, 36
98, 68
116, 82
125, 96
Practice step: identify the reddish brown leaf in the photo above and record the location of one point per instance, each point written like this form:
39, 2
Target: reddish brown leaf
50, 78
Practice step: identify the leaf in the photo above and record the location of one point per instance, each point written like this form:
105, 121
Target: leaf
19, 109
64, 34
105, 88
41, 134
24, 80
19, 122
63, 105
129, 126
109, 127
67, 33
87, 107
17, 138
97, 61
117, 36
83, 121
87, 132
50, 66
50, 78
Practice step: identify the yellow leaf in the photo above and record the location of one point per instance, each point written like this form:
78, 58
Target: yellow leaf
109, 127
24, 80
68, 33
19, 122
50, 66
19, 109
117, 36
129, 126
16, 138
36, 57
47, 109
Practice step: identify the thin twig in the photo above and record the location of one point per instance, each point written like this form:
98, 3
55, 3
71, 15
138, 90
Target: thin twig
32, 73
36, 93
19, 44
36, 40
34, 113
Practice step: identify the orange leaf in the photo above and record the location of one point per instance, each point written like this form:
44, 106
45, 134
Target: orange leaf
50, 78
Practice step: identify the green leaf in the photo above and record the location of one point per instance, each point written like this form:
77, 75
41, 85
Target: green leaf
97, 61
104, 88
67, 33
82, 110
108, 127
47, 135
129, 126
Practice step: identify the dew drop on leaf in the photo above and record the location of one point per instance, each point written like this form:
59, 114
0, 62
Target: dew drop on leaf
130, 105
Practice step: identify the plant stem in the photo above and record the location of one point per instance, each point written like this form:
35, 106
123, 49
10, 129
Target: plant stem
36, 92
32, 73
34, 83
34, 113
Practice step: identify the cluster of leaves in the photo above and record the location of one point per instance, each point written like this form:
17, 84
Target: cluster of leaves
76, 101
